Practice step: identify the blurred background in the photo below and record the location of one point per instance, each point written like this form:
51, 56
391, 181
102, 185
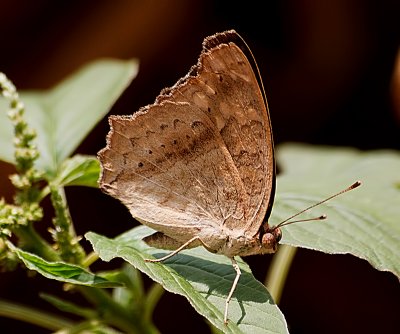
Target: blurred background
331, 70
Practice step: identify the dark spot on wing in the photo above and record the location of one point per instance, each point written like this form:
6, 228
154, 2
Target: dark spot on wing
196, 124
176, 122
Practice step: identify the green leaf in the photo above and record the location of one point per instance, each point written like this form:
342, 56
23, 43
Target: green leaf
203, 278
64, 115
363, 222
61, 271
69, 307
80, 170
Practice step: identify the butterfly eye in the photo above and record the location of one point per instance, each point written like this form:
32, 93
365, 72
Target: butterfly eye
277, 234
270, 239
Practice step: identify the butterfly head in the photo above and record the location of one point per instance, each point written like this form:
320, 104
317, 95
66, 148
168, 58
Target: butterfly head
270, 239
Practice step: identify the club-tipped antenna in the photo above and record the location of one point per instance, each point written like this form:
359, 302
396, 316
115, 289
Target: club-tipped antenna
288, 221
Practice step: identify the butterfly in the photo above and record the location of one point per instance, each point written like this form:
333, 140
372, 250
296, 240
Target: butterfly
198, 165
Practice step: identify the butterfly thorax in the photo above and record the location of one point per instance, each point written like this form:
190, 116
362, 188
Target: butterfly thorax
242, 245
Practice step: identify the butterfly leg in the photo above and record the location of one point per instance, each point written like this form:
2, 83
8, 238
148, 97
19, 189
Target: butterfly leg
235, 282
187, 244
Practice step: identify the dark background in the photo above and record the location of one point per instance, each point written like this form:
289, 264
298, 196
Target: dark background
329, 72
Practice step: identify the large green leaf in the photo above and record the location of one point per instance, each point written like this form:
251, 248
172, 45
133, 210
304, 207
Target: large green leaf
363, 222
64, 115
203, 278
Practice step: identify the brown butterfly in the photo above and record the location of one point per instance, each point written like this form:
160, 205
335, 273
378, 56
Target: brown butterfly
198, 165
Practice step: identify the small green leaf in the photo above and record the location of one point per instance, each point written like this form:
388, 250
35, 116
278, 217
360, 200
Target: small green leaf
203, 278
64, 115
61, 271
80, 170
363, 222
69, 307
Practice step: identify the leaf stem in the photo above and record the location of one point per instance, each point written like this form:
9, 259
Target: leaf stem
278, 271
27, 314
153, 296
89, 259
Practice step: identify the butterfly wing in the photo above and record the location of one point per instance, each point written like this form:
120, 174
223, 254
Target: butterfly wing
197, 159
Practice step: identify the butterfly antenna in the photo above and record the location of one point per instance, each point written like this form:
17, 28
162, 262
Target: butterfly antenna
289, 221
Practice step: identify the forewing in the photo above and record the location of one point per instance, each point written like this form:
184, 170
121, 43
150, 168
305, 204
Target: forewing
202, 155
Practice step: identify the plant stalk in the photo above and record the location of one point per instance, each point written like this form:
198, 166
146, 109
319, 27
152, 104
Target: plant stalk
278, 271
33, 316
